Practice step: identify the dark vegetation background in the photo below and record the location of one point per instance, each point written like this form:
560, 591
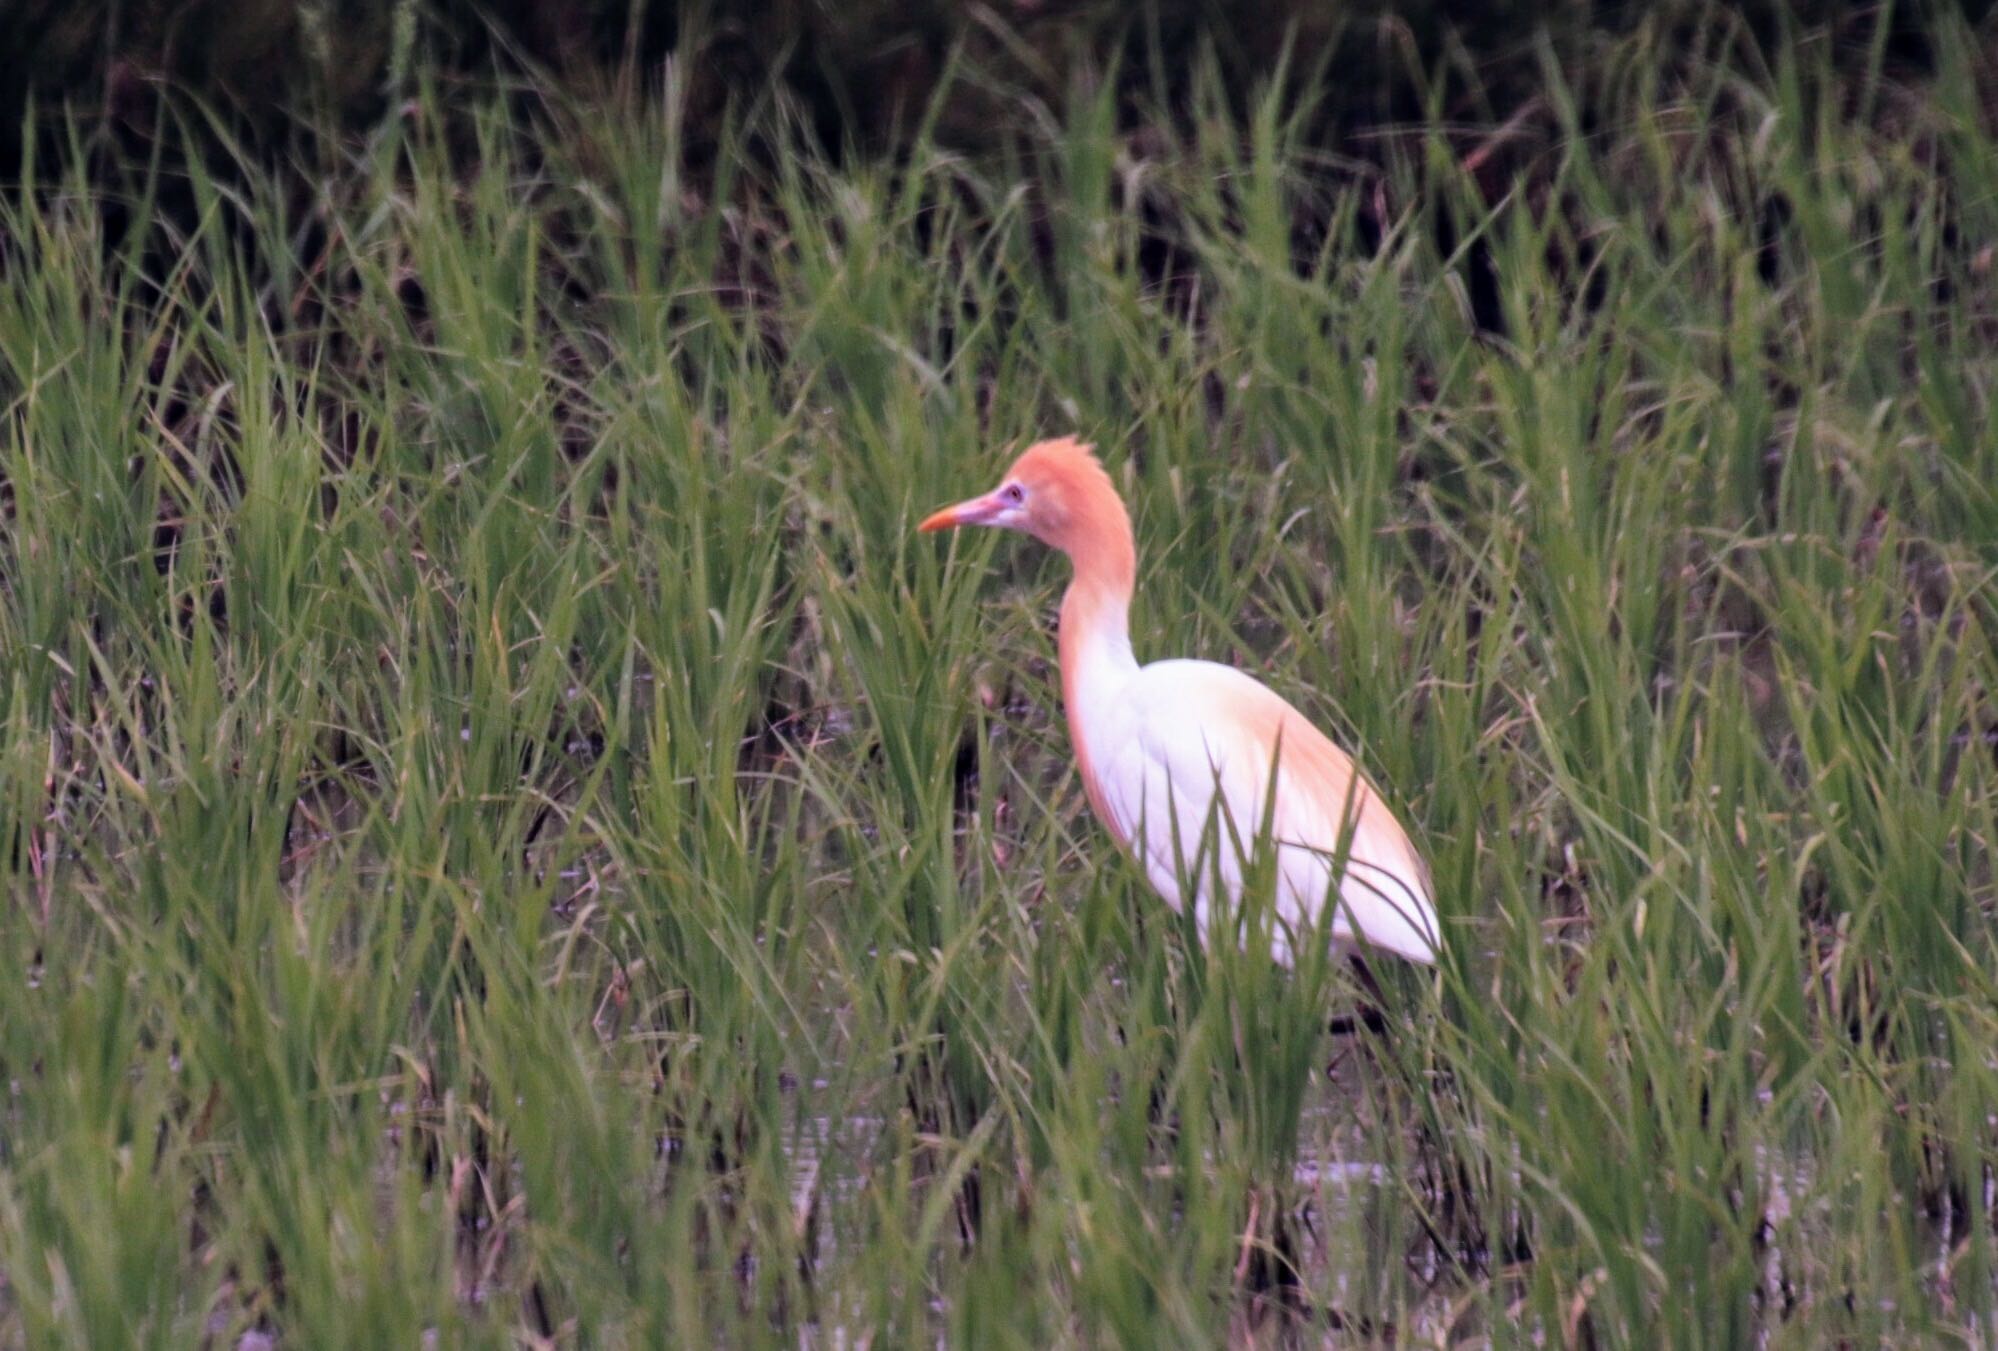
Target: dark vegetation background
285, 83
863, 72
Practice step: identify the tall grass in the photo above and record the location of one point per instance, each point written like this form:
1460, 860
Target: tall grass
508, 836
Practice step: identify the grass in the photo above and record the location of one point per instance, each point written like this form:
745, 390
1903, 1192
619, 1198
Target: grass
509, 836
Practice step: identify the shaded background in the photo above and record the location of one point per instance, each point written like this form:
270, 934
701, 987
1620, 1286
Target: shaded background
861, 73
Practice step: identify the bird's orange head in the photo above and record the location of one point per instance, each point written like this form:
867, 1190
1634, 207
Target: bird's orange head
1057, 492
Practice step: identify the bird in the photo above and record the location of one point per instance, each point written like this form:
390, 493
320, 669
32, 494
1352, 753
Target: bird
1167, 749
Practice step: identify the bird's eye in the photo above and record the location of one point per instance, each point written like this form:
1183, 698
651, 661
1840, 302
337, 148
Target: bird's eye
1012, 494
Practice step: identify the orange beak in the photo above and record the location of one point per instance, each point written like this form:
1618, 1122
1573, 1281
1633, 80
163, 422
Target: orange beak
972, 511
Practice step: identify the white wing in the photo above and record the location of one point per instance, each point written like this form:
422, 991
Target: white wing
1183, 730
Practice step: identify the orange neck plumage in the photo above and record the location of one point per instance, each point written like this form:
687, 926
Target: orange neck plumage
1095, 639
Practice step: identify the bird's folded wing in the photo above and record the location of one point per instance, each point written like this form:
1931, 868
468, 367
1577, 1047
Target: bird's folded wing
1191, 729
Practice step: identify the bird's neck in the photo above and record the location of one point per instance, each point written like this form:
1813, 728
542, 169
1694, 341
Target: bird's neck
1095, 632
1096, 611
1096, 657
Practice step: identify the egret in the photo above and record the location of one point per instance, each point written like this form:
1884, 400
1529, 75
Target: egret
1166, 748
